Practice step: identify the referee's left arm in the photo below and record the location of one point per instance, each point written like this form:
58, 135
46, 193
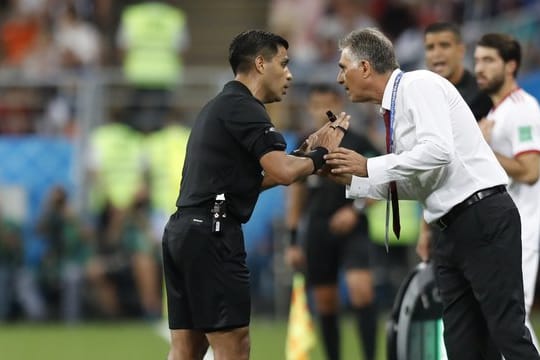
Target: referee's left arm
282, 169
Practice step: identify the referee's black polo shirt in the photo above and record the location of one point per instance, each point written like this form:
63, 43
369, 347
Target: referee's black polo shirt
223, 152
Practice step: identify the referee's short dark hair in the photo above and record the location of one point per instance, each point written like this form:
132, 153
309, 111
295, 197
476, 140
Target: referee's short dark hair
444, 26
507, 46
246, 46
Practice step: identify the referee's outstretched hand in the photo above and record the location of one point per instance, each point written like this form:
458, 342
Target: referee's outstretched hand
330, 134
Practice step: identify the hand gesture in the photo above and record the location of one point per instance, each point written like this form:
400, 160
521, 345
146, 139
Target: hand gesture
345, 161
330, 134
343, 179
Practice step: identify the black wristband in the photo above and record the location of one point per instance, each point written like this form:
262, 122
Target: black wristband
317, 156
293, 239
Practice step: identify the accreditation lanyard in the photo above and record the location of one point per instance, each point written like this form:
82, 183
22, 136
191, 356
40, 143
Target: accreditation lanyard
392, 147
393, 109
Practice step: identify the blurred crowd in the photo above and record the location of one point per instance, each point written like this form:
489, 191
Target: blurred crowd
99, 232
314, 27
88, 244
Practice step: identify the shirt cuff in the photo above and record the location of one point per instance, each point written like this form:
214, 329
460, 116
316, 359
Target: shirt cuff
359, 188
377, 168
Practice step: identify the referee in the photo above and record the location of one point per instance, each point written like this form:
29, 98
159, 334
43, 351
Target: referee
233, 153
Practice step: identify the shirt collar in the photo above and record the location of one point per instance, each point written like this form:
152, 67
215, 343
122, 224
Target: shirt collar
236, 86
387, 96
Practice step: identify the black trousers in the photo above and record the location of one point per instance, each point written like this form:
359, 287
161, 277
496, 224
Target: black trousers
478, 272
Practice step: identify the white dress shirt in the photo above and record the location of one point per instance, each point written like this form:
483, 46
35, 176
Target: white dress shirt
440, 156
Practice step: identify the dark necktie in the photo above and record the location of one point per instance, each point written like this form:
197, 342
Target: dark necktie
393, 187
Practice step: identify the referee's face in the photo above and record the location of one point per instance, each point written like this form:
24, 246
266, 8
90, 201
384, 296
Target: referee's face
277, 76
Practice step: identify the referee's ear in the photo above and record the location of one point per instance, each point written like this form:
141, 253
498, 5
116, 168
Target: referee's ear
259, 64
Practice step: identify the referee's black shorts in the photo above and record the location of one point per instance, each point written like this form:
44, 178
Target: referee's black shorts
206, 275
327, 254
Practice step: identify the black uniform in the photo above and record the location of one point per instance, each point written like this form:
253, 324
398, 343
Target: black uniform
479, 102
325, 252
205, 272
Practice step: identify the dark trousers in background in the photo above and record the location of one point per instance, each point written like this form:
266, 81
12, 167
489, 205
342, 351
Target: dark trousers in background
478, 272
148, 109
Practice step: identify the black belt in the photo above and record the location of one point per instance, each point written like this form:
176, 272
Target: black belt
444, 221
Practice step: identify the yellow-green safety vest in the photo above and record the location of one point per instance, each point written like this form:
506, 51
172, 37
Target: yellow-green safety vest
166, 151
120, 173
152, 30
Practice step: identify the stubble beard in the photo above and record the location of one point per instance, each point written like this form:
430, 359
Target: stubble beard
494, 86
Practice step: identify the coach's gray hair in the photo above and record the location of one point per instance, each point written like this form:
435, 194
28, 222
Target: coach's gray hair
370, 44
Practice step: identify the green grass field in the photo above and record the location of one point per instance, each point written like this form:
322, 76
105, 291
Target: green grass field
135, 341
139, 341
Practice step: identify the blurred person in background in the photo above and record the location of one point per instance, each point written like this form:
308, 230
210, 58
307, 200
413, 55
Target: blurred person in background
78, 41
19, 30
68, 250
350, 14
11, 260
314, 28
17, 111
329, 233
444, 55
297, 20
400, 22
125, 254
165, 151
116, 169
152, 38
19, 287
124, 271
43, 61
319, 67
512, 128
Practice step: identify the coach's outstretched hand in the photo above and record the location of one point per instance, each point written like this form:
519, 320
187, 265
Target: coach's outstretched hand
342, 164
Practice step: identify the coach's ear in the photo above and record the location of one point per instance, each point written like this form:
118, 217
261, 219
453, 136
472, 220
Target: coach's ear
365, 68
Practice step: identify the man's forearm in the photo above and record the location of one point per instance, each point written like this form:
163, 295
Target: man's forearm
520, 171
268, 182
